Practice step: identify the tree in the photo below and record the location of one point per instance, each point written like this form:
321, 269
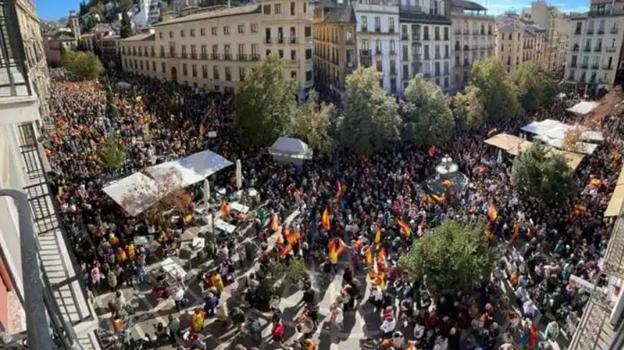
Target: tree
312, 122
468, 108
498, 93
126, 26
83, 65
536, 88
370, 116
427, 118
265, 103
124, 5
450, 258
112, 153
543, 175
111, 109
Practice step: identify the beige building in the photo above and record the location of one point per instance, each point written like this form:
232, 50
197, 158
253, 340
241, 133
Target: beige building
214, 49
333, 33
518, 40
557, 27
594, 56
474, 37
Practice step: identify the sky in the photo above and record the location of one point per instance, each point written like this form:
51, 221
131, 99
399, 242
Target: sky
55, 9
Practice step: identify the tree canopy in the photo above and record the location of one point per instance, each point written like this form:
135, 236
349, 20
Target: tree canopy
126, 26
450, 258
265, 103
536, 88
468, 108
540, 174
112, 153
498, 93
370, 117
427, 118
312, 122
84, 65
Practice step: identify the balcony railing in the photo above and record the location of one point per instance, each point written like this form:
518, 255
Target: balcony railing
594, 66
610, 49
584, 65
575, 48
255, 57
587, 49
227, 56
614, 30
378, 51
404, 36
598, 49
600, 30
573, 65
378, 29
365, 53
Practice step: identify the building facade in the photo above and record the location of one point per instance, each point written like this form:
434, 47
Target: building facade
518, 40
557, 27
474, 38
594, 56
333, 33
214, 49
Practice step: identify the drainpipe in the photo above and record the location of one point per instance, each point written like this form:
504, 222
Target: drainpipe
37, 328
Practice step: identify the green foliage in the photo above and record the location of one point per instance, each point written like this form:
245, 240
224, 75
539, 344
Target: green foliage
83, 65
539, 174
536, 88
426, 114
312, 122
112, 153
265, 104
111, 109
498, 93
126, 26
124, 5
370, 118
468, 108
450, 258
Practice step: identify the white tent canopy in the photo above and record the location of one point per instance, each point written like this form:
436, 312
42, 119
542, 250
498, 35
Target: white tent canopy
139, 191
291, 148
134, 193
552, 132
583, 107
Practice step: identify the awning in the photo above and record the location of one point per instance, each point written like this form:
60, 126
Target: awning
583, 107
615, 203
134, 193
291, 148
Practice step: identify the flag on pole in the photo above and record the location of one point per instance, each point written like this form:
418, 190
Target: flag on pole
405, 229
274, 225
377, 235
325, 224
335, 249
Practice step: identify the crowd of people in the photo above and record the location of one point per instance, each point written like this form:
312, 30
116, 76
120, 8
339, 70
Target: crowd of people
529, 289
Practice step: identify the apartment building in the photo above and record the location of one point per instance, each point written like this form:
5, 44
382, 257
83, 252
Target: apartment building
377, 39
333, 33
215, 48
595, 52
557, 27
518, 40
474, 37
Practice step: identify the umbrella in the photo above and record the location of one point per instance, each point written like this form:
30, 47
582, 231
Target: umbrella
239, 174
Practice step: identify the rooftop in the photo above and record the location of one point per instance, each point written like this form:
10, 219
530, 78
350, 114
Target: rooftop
421, 17
226, 12
343, 14
467, 5
140, 37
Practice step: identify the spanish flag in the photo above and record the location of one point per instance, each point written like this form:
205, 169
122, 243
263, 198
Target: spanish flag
381, 254
293, 238
202, 129
335, 249
377, 235
338, 189
405, 229
274, 225
225, 208
368, 256
492, 213
439, 198
595, 183
325, 220
286, 250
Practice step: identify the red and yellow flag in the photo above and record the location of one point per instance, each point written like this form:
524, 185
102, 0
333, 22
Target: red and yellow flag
225, 208
492, 213
405, 229
335, 249
325, 224
293, 238
368, 255
274, 225
339, 189
381, 254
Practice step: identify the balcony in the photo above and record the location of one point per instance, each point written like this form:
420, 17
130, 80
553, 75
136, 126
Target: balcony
573, 65
598, 49
404, 36
377, 29
590, 31
393, 72
594, 66
268, 40
242, 57
227, 56
587, 49
391, 30
378, 51
575, 48
204, 56
214, 56
184, 55
292, 40
364, 29
607, 67
584, 65
392, 52
416, 57
193, 56
577, 32
280, 40
601, 30
255, 57
610, 49
415, 37
614, 30
365, 53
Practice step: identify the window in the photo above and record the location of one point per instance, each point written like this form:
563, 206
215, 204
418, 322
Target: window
254, 50
293, 74
379, 65
154, 66
213, 30
204, 71
241, 29
182, 33
364, 24
170, 35
228, 74
268, 53
226, 52
241, 50
202, 31
436, 32
194, 70
278, 9
308, 54
446, 33
241, 74
309, 75
226, 30
163, 67
184, 69
254, 28
292, 8
215, 51
267, 35
378, 46
392, 47
215, 72
293, 55
183, 51
377, 24
426, 33
308, 31
267, 9
391, 25
204, 52
193, 52
192, 32
280, 53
